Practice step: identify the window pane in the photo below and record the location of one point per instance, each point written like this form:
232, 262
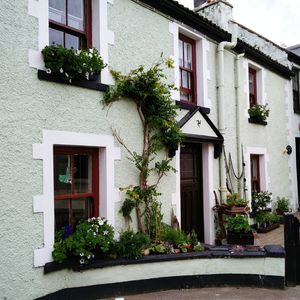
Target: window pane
80, 210
83, 173
57, 11
184, 96
61, 213
62, 174
180, 53
188, 56
76, 14
56, 37
72, 41
186, 79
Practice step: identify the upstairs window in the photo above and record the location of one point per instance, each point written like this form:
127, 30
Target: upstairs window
252, 86
296, 97
255, 173
70, 23
187, 69
76, 185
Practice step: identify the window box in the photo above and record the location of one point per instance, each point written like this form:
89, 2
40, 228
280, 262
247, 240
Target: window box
257, 121
89, 84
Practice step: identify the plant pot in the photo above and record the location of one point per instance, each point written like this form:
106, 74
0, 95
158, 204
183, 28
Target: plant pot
238, 209
268, 228
234, 238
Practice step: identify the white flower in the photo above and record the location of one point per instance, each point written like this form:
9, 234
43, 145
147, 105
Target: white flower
94, 233
100, 222
90, 55
91, 50
89, 220
87, 75
70, 80
66, 74
105, 232
61, 70
81, 261
93, 255
89, 257
81, 254
91, 69
48, 71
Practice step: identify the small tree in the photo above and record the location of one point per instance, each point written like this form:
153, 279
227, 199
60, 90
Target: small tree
151, 94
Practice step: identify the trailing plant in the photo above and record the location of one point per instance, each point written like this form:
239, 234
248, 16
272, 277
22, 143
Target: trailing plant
71, 64
283, 204
131, 244
91, 237
260, 201
259, 112
151, 94
238, 224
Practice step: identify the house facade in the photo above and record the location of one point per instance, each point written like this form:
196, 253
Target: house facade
49, 129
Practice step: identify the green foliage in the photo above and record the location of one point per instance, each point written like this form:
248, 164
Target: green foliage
260, 201
131, 244
235, 200
192, 238
259, 112
158, 249
71, 64
283, 204
127, 207
199, 248
238, 224
173, 236
264, 217
147, 88
91, 237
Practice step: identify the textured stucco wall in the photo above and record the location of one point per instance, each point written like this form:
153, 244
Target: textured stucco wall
29, 105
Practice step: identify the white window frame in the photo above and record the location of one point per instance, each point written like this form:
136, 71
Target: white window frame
44, 203
202, 69
263, 172
260, 79
102, 37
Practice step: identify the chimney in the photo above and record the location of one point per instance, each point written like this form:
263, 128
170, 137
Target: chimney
217, 11
198, 3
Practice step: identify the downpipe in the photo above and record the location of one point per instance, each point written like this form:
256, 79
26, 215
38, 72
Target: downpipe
221, 104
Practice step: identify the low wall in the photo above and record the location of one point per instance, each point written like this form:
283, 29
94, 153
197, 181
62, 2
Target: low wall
215, 267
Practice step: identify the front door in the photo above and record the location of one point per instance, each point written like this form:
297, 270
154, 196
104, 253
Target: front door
191, 189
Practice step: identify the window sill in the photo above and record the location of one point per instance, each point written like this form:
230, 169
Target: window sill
93, 85
258, 122
191, 106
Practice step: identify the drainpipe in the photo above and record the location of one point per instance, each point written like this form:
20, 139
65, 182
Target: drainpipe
237, 113
221, 104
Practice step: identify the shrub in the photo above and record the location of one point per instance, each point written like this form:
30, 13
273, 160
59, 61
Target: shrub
173, 236
131, 244
283, 204
260, 201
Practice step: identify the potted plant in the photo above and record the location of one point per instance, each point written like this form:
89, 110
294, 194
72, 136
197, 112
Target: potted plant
239, 231
266, 221
260, 201
259, 112
282, 205
235, 204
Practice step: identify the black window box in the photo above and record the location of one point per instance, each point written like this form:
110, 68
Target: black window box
256, 121
89, 84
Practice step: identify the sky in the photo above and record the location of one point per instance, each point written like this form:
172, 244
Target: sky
277, 20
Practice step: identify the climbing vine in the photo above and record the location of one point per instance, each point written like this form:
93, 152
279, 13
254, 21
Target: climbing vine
151, 94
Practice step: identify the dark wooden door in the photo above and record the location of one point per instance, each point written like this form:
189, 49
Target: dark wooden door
298, 166
191, 189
